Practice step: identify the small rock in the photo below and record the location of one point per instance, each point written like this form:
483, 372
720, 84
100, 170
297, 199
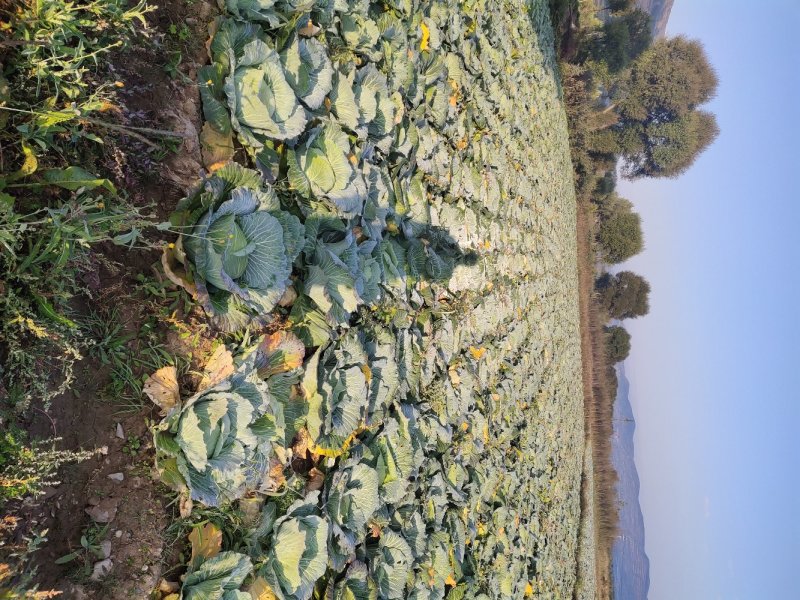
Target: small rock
145, 568
101, 569
120, 432
118, 533
116, 476
104, 511
105, 548
76, 592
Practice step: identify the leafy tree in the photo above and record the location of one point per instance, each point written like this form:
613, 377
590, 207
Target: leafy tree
620, 233
624, 295
622, 39
665, 149
661, 131
670, 79
618, 343
607, 183
620, 5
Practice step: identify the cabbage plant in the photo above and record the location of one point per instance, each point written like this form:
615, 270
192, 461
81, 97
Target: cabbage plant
237, 246
219, 442
262, 102
321, 167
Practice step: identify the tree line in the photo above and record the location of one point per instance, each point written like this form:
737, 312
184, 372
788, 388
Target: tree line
635, 107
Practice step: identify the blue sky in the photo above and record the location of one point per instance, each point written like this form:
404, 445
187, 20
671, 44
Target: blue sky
715, 366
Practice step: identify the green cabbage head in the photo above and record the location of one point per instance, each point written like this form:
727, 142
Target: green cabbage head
237, 246
218, 443
298, 554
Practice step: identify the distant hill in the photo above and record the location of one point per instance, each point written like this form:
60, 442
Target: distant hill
630, 565
659, 10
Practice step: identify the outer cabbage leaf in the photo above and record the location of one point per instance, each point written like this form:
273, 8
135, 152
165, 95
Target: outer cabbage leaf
218, 578
308, 70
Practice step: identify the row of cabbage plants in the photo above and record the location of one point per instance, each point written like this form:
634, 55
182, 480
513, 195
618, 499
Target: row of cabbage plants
401, 218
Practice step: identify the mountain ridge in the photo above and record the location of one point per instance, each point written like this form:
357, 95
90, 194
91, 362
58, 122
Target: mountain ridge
630, 563
659, 11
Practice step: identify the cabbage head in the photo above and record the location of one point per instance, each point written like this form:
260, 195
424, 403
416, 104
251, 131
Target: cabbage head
237, 245
320, 167
218, 443
261, 101
298, 554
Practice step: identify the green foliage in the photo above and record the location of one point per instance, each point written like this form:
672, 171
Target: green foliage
622, 39
298, 551
618, 343
219, 576
90, 550
661, 131
624, 295
433, 290
64, 40
620, 232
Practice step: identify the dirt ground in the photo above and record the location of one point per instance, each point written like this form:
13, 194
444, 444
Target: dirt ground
117, 487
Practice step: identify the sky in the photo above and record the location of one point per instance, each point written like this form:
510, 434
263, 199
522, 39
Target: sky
715, 366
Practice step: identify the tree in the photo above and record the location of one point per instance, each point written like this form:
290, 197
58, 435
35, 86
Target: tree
625, 295
620, 233
620, 5
670, 79
665, 149
661, 131
618, 343
622, 39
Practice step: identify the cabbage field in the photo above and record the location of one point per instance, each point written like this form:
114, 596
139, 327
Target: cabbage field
386, 242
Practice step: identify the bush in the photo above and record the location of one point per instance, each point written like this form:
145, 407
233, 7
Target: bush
618, 343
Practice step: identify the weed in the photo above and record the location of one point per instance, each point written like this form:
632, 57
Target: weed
181, 32
16, 571
132, 446
27, 468
91, 548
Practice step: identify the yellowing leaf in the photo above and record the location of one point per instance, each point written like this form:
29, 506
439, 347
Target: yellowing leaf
477, 353
450, 581
216, 148
454, 378
260, 590
426, 34
206, 543
29, 164
529, 590
162, 388
218, 367
367, 373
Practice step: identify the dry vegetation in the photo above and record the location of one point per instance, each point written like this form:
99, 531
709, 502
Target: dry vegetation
599, 394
